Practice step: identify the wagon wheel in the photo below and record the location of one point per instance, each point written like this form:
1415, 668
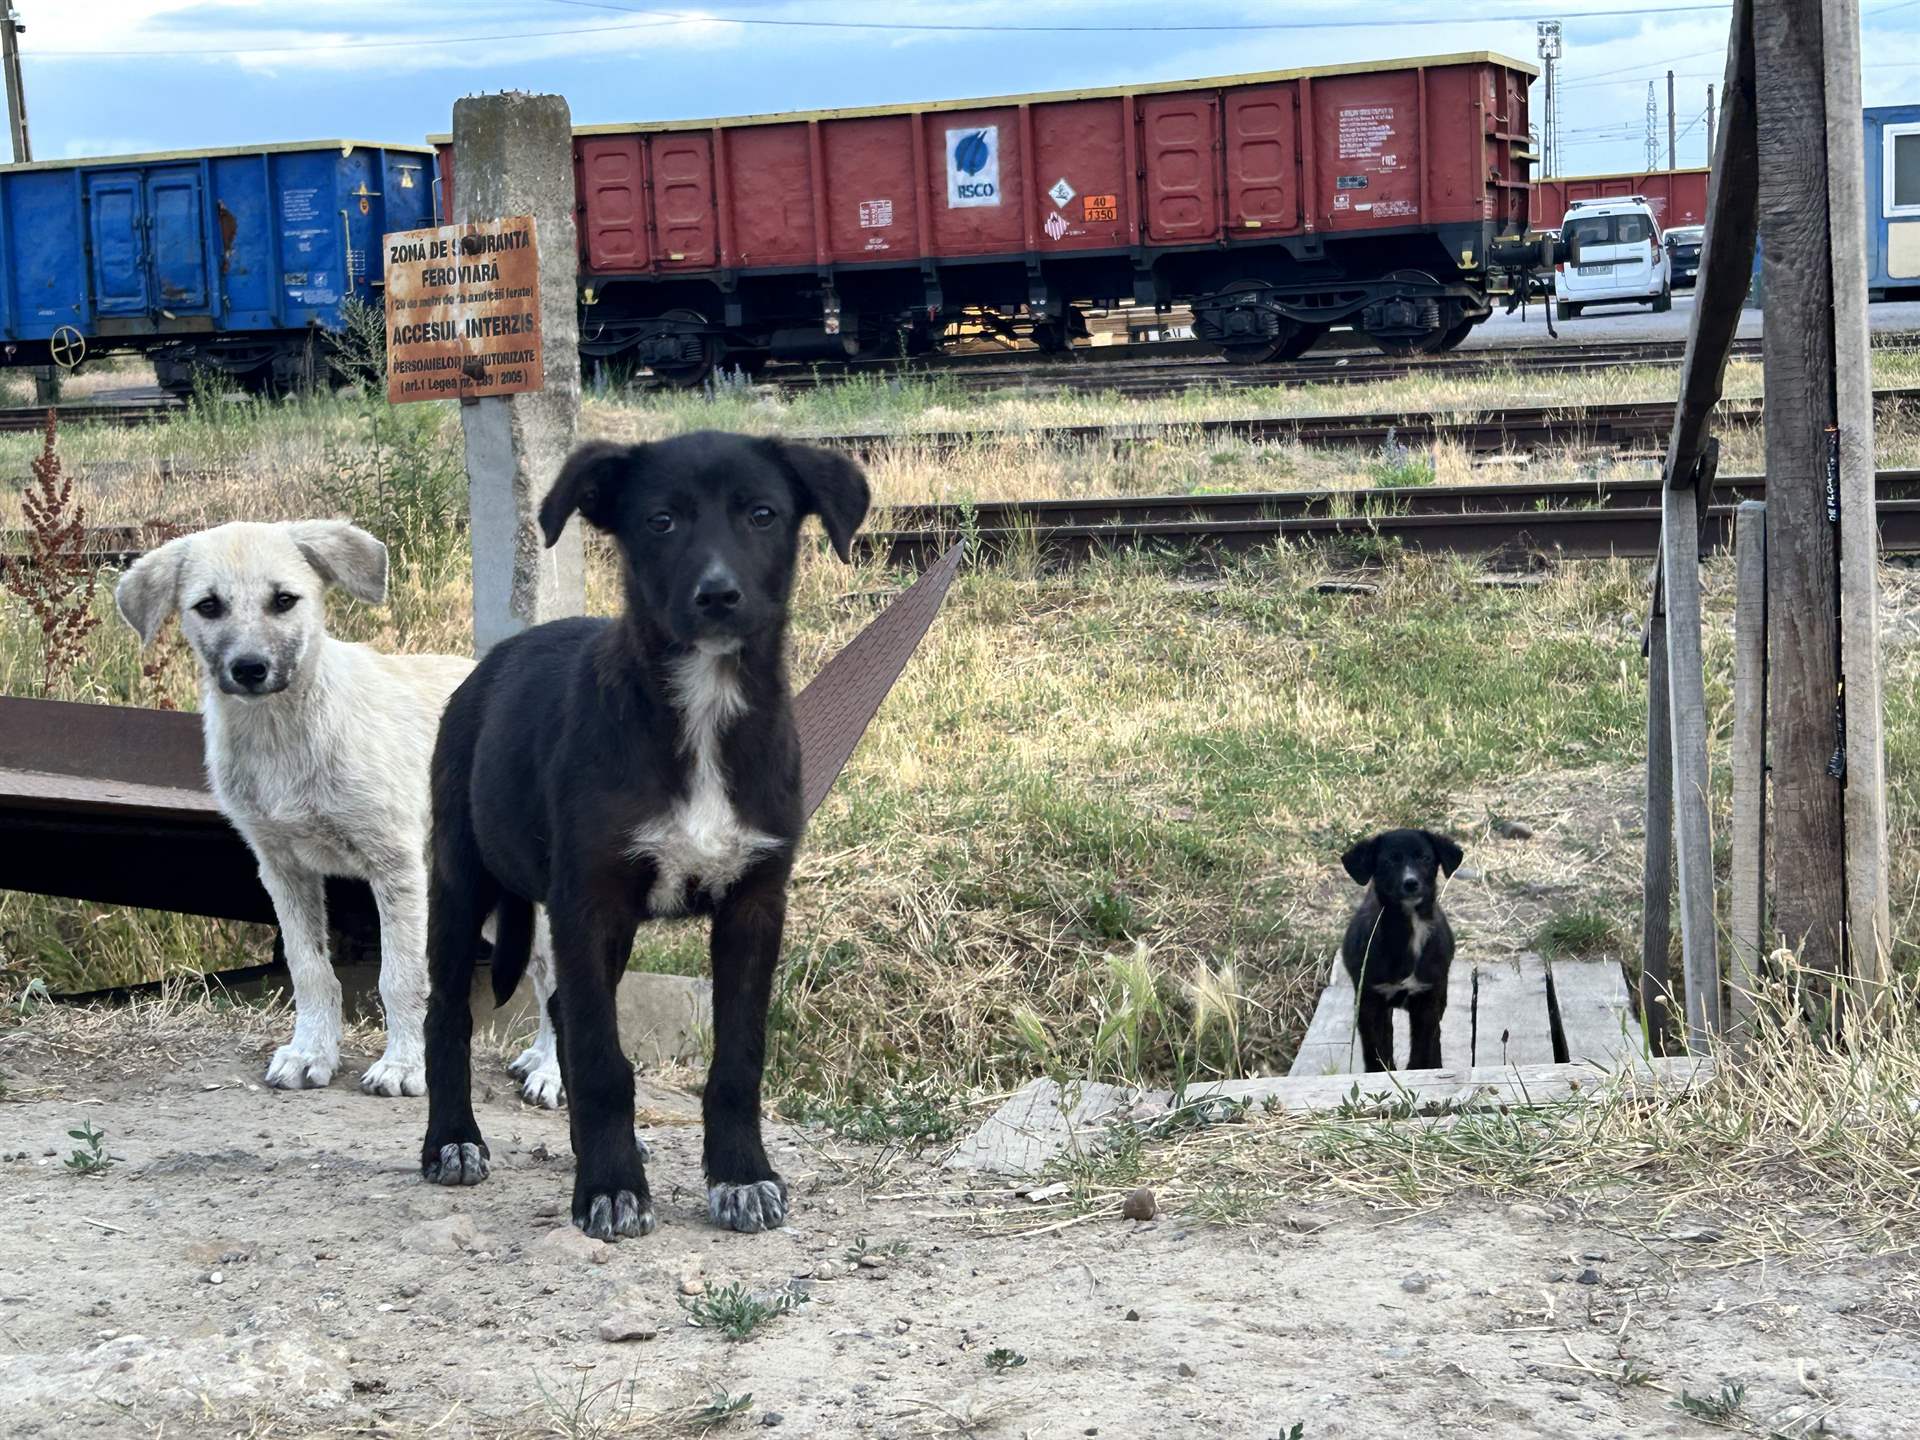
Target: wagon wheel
1430, 343
1304, 339
68, 347
1277, 347
686, 374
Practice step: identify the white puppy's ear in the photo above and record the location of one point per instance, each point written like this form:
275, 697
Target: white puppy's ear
149, 592
345, 555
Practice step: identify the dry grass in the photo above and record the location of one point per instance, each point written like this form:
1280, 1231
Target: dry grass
1137, 769
1800, 1149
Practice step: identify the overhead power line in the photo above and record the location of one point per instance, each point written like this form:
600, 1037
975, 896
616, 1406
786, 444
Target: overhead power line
665, 19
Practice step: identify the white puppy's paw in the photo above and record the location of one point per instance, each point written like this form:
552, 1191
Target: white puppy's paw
530, 1060
293, 1068
543, 1086
394, 1077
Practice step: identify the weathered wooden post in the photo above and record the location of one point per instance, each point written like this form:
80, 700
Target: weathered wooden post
1746, 914
1823, 705
513, 156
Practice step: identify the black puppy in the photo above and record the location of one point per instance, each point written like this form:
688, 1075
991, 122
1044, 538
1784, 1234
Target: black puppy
618, 770
1399, 946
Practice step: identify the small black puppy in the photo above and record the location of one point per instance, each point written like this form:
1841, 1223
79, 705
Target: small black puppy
619, 770
1399, 946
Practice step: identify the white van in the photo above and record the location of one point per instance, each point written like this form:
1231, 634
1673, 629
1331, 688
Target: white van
1621, 257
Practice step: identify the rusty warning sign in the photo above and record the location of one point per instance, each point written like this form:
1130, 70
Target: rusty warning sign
463, 311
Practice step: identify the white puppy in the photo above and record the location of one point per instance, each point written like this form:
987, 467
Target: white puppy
318, 753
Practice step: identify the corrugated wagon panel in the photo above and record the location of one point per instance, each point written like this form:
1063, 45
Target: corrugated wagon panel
870, 188
770, 195
1263, 160
1081, 187
1180, 136
612, 188
974, 168
1367, 151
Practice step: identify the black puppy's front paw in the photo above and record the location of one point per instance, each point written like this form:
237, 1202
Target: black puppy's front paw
611, 1199
749, 1206
458, 1162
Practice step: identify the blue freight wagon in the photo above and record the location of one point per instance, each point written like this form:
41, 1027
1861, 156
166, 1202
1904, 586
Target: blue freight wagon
1893, 199
237, 260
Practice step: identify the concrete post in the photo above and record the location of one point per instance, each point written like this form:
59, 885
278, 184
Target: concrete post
513, 155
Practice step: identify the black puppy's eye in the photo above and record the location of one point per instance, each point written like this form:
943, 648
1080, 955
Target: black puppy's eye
283, 602
660, 523
761, 515
209, 608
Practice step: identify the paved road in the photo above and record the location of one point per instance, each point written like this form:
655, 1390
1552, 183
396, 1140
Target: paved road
1611, 324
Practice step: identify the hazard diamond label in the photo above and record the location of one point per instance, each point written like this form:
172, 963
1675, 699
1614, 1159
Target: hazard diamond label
1061, 192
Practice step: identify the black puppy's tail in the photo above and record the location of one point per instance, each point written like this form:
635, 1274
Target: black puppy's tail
512, 945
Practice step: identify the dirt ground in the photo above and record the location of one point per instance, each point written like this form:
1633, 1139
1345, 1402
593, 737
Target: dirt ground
269, 1263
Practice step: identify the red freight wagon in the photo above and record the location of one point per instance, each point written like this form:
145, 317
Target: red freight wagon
1274, 204
1677, 197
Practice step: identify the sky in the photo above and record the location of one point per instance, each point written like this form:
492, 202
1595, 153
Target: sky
121, 76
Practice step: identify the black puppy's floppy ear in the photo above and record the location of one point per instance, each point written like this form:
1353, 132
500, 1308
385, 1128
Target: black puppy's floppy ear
1449, 854
1359, 860
590, 483
829, 485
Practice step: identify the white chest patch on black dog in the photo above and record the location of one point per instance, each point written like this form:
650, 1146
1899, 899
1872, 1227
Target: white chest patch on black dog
1408, 986
701, 840
1417, 932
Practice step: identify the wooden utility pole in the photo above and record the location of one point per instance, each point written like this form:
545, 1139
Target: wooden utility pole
1672, 141
1813, 446
1709, 123
10, 28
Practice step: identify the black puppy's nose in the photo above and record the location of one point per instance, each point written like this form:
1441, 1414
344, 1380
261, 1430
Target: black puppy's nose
248, 670
1410, 885
717, 594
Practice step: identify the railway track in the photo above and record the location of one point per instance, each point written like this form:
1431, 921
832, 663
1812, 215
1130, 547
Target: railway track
17, 418
1615, 425
1178, 366
1572, 519
1510, 522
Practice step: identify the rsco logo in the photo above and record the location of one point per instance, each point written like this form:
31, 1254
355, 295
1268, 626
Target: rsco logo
973, 166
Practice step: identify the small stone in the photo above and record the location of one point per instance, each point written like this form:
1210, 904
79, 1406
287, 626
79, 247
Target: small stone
1599, 1255
1185, 1371
872, 1262
547, 1210
410, 1290
1142, 1204
215, 1278
1588, 1276
692, 1285
1513, 830
1133, 1314
563, 1241
448, 1235
826, 1270
1415, 1284
772, 1418
617, 1329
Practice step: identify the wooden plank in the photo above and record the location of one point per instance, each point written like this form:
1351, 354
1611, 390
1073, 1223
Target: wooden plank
1748, 880
1511, 1025
1656, 880
1693, 835
1040, 1121
1726, 255
1868, 932
1803, 662
1330, 1046
1456, 1026
1594, 1011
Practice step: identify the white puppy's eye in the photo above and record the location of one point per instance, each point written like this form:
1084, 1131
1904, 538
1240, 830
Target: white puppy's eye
209, 608
660, 523
283, 601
